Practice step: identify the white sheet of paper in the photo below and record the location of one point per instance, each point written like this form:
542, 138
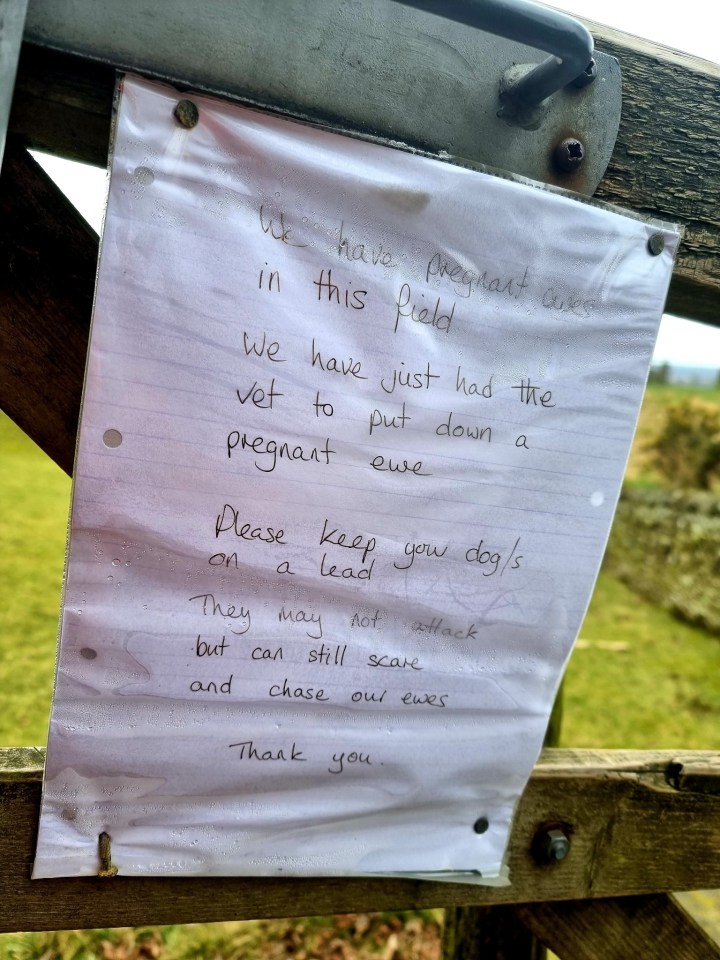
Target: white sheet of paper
354, 428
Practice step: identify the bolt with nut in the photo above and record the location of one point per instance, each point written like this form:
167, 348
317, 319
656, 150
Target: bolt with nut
551, 845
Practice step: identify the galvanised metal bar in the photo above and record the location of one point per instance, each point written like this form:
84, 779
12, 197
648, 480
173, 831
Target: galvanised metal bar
568, 41
376, 68
12, 22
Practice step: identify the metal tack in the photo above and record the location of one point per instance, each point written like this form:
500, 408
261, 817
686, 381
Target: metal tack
656, 244
186, 114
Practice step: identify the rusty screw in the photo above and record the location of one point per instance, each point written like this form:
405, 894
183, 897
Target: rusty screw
586, 77
551, 845
569, 155
107, 868
186, 114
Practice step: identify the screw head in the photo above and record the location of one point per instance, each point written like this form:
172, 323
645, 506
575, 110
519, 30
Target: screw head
569, 155
586, 77
656, 244
186, 114
551, 846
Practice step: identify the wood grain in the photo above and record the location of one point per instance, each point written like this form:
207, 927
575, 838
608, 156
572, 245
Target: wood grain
654, 928
631, 833
666, 161
489, 933
48, 258
63, 105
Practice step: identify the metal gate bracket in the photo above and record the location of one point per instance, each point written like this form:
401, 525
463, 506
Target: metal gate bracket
369, 67
12, 18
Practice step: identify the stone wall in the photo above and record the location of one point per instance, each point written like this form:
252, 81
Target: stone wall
666, 545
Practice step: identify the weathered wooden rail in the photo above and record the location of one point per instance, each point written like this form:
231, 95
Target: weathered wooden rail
640, 824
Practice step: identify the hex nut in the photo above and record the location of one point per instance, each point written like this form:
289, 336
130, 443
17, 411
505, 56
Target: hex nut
588, 75
551, 845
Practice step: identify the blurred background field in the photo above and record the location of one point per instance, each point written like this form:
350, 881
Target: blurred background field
410, 936
638, 678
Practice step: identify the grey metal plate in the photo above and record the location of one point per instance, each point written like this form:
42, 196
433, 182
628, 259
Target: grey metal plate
366, 66
12, 19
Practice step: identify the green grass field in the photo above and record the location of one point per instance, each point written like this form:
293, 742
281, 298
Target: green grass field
637, 679
640, 679
35, 496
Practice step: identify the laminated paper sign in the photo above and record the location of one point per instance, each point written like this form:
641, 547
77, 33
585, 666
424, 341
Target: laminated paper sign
354, 428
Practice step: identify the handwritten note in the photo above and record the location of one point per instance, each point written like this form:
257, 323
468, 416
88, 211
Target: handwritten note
353, 433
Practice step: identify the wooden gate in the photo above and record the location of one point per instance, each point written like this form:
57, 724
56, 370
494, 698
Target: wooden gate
639, 824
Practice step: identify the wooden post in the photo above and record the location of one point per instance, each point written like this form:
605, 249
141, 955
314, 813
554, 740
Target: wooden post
48, 257
489, 933
654, 928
